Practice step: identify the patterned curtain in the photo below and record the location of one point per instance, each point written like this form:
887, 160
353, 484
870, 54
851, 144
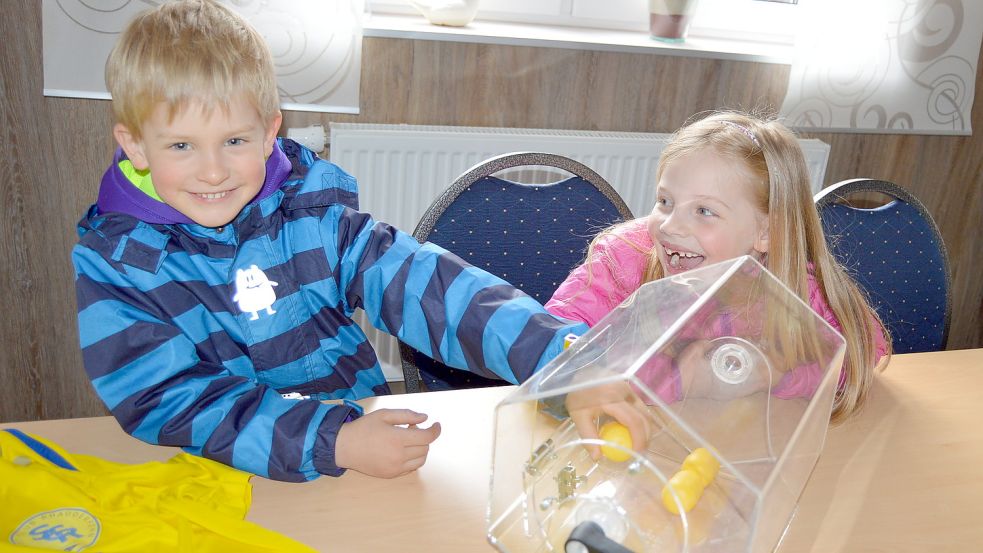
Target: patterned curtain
316, 45
890, 66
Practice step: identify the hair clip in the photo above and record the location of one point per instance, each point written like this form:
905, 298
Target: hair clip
747, 132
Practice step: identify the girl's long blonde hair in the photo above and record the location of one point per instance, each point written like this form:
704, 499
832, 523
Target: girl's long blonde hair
777, 173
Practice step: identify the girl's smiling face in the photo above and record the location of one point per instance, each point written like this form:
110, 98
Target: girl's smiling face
705, 213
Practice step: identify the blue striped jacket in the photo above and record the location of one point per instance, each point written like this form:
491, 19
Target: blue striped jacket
191, 335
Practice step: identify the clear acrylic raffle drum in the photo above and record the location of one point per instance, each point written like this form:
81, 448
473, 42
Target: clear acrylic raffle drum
732, 377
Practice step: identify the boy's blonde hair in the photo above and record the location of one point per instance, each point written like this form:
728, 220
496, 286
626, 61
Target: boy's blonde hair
770, 157
185, 52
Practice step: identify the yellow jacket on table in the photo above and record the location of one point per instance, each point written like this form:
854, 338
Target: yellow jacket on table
58, 501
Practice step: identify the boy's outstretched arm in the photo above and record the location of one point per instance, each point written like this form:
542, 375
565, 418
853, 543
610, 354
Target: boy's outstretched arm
437, 303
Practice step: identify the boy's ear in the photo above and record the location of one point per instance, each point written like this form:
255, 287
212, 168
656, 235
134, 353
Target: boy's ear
761, 242
271, 131
132, 147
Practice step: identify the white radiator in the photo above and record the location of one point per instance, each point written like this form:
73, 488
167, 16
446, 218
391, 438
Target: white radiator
401, 169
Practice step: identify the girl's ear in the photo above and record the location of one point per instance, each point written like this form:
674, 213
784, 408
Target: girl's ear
761, 242
271, 131
132, 146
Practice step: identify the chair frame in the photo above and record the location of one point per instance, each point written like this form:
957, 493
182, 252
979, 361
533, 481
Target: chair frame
841, 190
411, 373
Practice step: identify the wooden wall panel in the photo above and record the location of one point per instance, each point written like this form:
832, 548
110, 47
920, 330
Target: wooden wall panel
441, 83
54, 151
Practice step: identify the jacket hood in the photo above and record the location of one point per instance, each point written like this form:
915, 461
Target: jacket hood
118, 194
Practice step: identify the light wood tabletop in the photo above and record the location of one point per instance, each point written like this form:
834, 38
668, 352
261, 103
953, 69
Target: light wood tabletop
906, 475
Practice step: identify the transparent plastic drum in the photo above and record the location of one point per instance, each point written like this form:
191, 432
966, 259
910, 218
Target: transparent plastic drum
728, 380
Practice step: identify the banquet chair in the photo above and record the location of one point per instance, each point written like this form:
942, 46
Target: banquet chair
897, 256
530, 235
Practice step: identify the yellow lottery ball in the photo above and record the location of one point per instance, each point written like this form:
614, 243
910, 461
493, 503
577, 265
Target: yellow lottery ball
702, 462
617, 434
688, 485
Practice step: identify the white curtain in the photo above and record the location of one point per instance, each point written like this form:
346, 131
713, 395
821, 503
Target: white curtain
890, 66
316, 45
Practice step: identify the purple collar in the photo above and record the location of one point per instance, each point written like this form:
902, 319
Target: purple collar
118, 194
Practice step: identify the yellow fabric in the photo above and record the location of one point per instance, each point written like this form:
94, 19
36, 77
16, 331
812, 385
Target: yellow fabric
140, 179
185, 504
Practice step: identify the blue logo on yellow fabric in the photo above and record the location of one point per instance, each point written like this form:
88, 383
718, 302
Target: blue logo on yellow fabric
60, 530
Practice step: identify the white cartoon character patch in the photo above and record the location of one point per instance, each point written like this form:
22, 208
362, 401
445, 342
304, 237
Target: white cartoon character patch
254, 292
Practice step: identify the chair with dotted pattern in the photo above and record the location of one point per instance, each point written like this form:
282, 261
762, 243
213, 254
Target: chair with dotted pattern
896, 255
531, 235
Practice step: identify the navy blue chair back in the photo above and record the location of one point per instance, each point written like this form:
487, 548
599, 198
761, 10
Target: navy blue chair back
530, 235
896, 254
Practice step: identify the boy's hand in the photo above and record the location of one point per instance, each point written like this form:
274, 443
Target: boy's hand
615, 400
377, 445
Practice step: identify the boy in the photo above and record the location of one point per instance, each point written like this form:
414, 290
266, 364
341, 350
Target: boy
219, 269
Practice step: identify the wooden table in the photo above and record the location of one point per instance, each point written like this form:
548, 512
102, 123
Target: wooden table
904, 476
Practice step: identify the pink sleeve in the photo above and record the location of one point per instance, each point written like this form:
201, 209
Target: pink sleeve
599, 285
879, 340
802, 381
580, 298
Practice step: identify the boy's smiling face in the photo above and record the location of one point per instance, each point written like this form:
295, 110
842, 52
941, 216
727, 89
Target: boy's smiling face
207, 164
704, 213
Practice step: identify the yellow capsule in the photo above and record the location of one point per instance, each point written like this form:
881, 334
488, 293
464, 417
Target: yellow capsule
688, 486
702, 462
618, 434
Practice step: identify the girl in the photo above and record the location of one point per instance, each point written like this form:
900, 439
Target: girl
731, 184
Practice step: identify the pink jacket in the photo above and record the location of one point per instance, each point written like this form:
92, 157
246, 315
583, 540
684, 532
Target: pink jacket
615, 270
600, 284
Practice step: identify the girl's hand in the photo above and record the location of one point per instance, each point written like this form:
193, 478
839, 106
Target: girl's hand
378, 445
615, 400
